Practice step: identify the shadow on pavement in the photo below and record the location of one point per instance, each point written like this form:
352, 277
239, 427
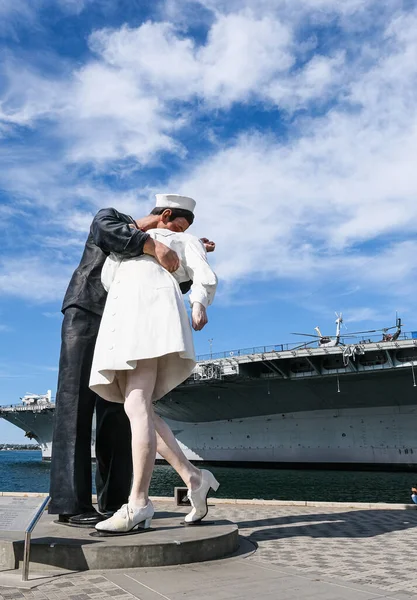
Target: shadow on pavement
348, 524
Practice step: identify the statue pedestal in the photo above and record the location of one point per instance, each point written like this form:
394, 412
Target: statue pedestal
168, 542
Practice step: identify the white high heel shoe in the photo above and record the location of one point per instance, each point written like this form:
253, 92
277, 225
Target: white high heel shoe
128, 518
198, 497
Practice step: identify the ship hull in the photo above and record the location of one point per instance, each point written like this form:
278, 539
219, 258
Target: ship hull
37, 425
379, 437
375, 436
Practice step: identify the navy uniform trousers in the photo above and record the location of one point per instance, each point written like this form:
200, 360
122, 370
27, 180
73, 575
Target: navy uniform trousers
71, 473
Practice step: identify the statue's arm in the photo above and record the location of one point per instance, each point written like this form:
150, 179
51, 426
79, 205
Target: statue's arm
204, 279
210, 247
113, 234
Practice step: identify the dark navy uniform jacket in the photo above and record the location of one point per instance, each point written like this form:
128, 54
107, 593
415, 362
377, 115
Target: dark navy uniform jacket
110, 231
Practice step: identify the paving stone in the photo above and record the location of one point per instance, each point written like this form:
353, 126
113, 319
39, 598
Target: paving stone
361, 547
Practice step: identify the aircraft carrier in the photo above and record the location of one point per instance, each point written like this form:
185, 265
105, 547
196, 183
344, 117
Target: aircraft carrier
326, 402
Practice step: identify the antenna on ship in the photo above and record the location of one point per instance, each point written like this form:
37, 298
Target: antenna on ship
339, 321
211, 347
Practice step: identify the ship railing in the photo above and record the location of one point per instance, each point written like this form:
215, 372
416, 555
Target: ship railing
27, 407
230, 354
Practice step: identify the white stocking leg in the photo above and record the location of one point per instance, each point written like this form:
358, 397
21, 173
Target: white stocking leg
170, 450
140, 384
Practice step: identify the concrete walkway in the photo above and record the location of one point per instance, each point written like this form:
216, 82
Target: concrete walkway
303, 552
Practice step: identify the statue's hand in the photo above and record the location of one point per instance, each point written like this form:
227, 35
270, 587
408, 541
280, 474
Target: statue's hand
208, 244
166, 257
198, 316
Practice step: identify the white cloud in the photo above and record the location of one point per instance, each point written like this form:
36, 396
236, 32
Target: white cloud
29, 95
156, 55
302, 208
12, 370
112, 119
296, 204
245, 58
74, 6
363, 314
11, 8
296, 9
33, 278
243, 53
322, 76
15, 14
120, 105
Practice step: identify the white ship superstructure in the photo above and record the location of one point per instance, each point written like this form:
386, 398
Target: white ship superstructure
35, 415
342, 404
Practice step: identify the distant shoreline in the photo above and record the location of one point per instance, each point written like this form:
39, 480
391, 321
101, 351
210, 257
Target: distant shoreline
20, 447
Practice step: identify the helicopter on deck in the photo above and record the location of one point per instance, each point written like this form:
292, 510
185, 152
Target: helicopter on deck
329, 341
30, 399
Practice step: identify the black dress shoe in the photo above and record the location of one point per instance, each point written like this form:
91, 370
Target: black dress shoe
87, 519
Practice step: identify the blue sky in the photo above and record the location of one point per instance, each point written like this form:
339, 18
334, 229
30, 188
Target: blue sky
293, 124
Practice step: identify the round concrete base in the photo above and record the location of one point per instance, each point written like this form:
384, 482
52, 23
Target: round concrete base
168, 542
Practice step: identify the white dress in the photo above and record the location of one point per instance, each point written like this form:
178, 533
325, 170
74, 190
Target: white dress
145, 316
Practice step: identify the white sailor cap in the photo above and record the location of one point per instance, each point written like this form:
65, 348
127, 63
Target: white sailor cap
174, 201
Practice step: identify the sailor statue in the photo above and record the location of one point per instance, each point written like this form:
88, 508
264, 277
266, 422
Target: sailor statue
84, 302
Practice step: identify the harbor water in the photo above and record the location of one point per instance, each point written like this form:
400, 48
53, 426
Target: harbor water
24, 471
